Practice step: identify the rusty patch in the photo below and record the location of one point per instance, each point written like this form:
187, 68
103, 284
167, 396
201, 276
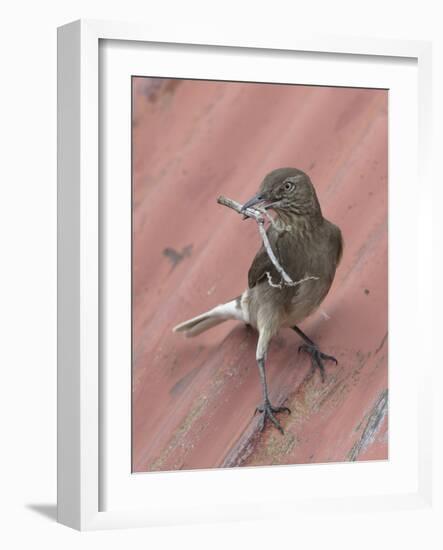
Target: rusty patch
376, 416
176, 257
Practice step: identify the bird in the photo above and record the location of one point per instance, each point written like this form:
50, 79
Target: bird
309, 249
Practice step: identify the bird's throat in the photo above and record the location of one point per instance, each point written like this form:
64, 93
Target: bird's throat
289, 221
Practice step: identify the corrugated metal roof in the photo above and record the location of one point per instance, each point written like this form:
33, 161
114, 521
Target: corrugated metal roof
193, 399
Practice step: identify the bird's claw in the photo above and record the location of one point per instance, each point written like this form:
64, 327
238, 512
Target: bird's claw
317, 358
268, 411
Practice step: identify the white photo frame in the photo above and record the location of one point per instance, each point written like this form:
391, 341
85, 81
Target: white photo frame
95, 486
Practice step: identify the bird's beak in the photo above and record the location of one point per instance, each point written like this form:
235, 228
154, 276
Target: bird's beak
256, 199
259, 198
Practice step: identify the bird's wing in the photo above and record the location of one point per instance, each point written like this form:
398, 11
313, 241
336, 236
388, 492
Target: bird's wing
285, 250
259, 267
339, 245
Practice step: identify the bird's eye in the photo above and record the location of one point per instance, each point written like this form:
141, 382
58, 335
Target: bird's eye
288, 186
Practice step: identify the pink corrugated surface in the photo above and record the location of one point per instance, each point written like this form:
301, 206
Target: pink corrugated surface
193, 399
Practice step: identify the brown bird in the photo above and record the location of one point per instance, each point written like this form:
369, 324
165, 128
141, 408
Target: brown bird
308, 247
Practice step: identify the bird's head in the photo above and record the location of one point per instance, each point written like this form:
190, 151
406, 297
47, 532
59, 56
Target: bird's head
289, 192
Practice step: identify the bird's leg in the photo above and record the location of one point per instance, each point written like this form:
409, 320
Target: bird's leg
266, 409
317, 357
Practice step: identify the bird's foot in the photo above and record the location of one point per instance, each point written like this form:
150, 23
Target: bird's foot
317, 358
268, 411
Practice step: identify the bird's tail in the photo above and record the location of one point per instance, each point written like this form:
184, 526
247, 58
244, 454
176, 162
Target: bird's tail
212, 318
